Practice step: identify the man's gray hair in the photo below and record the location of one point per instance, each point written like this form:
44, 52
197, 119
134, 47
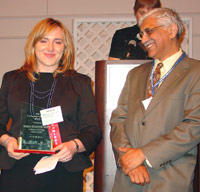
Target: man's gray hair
166, 17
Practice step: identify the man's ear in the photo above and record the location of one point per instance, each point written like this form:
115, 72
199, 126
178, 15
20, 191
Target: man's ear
173, 30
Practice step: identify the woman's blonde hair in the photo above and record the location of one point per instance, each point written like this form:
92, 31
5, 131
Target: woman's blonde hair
41, 29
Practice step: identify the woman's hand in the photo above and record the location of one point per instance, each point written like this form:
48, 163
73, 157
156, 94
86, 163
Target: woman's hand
66, 151
11, 145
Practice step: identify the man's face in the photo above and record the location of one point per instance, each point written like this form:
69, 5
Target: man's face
156, 38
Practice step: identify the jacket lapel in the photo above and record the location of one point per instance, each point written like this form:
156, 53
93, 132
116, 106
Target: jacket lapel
144, 79
24, 87
174, 77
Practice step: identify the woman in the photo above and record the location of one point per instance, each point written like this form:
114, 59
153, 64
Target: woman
125, 43
46, 80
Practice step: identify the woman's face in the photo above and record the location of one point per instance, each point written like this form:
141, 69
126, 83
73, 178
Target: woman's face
49, 51
141, 12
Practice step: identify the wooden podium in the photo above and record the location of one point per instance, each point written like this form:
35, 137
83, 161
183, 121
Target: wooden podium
109, 80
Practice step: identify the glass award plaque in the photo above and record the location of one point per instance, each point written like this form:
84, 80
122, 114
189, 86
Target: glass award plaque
34, 137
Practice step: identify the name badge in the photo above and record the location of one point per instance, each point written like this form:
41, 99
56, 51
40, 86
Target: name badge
146, 102
51, 115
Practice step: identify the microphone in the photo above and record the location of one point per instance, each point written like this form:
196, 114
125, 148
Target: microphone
131, 45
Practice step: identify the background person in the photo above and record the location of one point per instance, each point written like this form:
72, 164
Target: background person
125, 43
155, 131
47, 79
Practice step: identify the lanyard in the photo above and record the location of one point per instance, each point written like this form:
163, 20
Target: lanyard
166, 74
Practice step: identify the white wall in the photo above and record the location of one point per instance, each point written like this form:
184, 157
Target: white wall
17, 18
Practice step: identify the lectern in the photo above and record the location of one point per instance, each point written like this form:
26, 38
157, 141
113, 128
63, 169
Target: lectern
109, 80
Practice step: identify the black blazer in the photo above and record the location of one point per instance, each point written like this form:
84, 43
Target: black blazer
120, 44
73, 93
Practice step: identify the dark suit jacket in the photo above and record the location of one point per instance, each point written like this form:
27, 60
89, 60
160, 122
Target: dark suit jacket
120, 43
168, 131
73, 93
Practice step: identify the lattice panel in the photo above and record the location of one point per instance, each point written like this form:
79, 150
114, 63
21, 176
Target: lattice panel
92, 38
92, 42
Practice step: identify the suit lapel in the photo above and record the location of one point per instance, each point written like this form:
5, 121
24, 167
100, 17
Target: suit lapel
24, 87
174, 77
144, 79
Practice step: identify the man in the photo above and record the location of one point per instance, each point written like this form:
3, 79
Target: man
156, 126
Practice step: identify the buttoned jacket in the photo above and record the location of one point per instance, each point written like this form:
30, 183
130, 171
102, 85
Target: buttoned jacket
168, 131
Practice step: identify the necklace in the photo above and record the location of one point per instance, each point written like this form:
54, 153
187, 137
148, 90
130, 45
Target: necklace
43, 95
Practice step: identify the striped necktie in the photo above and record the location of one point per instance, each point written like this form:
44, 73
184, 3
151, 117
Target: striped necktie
156, 78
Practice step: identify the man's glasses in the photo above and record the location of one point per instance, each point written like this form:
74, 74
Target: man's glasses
148, 31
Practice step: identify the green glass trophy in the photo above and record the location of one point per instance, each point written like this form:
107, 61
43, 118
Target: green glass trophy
34, 137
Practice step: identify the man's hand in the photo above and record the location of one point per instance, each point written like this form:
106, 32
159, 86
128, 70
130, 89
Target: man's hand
139, 175
131, 159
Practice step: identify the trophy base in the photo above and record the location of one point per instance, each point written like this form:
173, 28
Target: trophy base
34, 151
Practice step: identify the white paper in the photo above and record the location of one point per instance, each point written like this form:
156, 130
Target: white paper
51, 115
146, 102
45, 164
